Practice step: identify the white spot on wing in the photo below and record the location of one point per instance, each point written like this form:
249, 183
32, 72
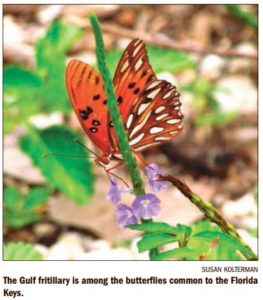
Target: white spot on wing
156, 129
137, 42
153, 84
162, 138
140, 126
137, 49
154, 93
125, 66
143, 147
167, 95
129, 121
138, 64
174, 132
137, 139
143, 107
160, 117
173, 121
159, 109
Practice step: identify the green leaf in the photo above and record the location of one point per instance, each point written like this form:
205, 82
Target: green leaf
203, 91
71, 175
215, 118
161, 59
112, 59
220, 252
178, 253
36, 197
204, 225
154, 240
51, 64
183, 231
20, 210
224, 238
225, 249
154, 227
21, 88
43, 90
58, 39
167, 60
21, 251
15, 76
56, 98
11, 197
20, 218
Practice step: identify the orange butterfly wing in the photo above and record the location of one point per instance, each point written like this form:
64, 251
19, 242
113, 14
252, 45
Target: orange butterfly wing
133, 73
156, 118
150, 108
86, 92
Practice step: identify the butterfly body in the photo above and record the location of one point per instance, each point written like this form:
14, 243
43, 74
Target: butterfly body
150, 108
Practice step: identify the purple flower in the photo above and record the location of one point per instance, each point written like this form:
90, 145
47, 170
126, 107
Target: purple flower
153, 172
146, 206
125, 215
114, 192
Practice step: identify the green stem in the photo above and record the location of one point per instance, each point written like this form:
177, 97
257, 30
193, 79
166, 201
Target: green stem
211, 213
123, 143
134, 172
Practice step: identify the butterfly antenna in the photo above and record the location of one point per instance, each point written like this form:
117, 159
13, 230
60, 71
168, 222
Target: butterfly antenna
84, 146
64, 155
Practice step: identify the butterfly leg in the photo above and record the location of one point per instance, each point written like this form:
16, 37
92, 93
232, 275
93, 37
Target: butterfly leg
115, 166
141, 162
109, 172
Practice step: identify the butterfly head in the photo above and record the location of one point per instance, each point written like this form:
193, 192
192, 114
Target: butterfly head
103, 160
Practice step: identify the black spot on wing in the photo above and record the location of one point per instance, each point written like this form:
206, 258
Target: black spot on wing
119, 100
131, 85
85, 113
136, 91
96, 97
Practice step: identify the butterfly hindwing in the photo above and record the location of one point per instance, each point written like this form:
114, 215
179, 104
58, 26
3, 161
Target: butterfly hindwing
150, 108
88, 98
155, 118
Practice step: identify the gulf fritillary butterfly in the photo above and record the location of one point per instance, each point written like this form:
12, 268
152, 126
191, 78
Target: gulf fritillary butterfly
150, 108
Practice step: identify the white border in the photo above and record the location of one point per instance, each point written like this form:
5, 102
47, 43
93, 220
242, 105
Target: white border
165, 269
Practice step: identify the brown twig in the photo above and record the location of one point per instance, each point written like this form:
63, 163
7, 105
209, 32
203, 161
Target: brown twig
163, 41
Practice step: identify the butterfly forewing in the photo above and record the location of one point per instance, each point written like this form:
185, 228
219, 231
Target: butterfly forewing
87, 95
132, 75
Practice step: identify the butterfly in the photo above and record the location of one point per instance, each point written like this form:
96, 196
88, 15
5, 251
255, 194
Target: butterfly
149, 108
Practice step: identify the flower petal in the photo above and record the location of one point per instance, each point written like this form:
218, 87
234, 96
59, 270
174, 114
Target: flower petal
153, 172
125, 215
146, 206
